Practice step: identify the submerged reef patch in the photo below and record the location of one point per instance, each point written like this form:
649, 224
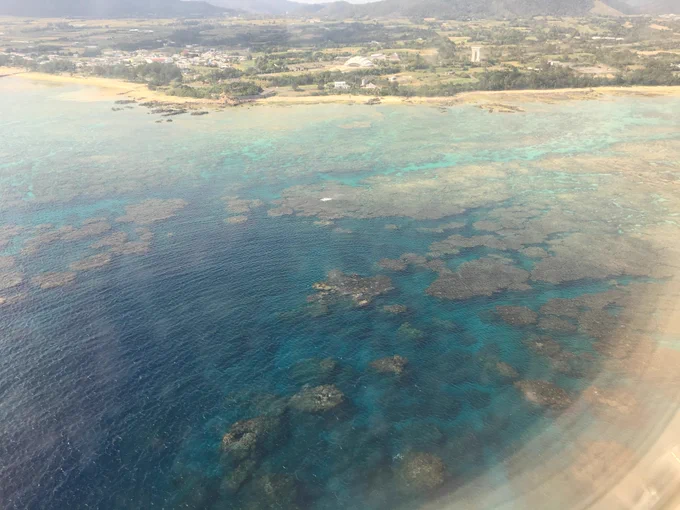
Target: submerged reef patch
317, 399
393, 364
544, 394
53, 280
482, 277
152, 210
361, 290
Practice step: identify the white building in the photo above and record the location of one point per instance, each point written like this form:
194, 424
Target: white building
359, 62
342, 85
477, 54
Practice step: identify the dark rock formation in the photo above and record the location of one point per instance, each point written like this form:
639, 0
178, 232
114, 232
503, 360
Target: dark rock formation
393, 365
362, 290
317, 399
245, 438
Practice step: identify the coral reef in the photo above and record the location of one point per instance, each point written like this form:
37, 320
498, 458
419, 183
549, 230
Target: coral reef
583, 256
544, 394
393, 364
362, 290
248, 438
53, 280
115, 239
421, 472
152, 210
481, 277
236, 220
10, 280
517, 315
393, 264
93, 262
317, 399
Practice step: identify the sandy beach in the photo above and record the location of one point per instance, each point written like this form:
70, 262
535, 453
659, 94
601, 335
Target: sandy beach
102, 89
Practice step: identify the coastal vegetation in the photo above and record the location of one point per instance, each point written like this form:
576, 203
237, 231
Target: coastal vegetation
221, 59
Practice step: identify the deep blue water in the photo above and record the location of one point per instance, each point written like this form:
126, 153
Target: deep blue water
115, 392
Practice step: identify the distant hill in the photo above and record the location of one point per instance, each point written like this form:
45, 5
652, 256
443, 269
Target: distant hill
265, 6
454, 9
654, 6
107, 8
611, 8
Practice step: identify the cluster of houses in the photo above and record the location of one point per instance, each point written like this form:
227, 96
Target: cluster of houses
187, 58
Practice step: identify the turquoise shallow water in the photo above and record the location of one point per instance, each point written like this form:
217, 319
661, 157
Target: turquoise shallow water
115, 392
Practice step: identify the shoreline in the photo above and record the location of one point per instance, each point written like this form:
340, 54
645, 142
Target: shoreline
102, 89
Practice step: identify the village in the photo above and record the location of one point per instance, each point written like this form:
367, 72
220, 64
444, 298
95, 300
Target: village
247, 57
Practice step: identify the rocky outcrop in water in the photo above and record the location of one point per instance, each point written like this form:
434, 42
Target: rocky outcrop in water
317, 399
392, 365
248, 437
362, 290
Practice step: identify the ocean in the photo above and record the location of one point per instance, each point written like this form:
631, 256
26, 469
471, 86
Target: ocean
194, 363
